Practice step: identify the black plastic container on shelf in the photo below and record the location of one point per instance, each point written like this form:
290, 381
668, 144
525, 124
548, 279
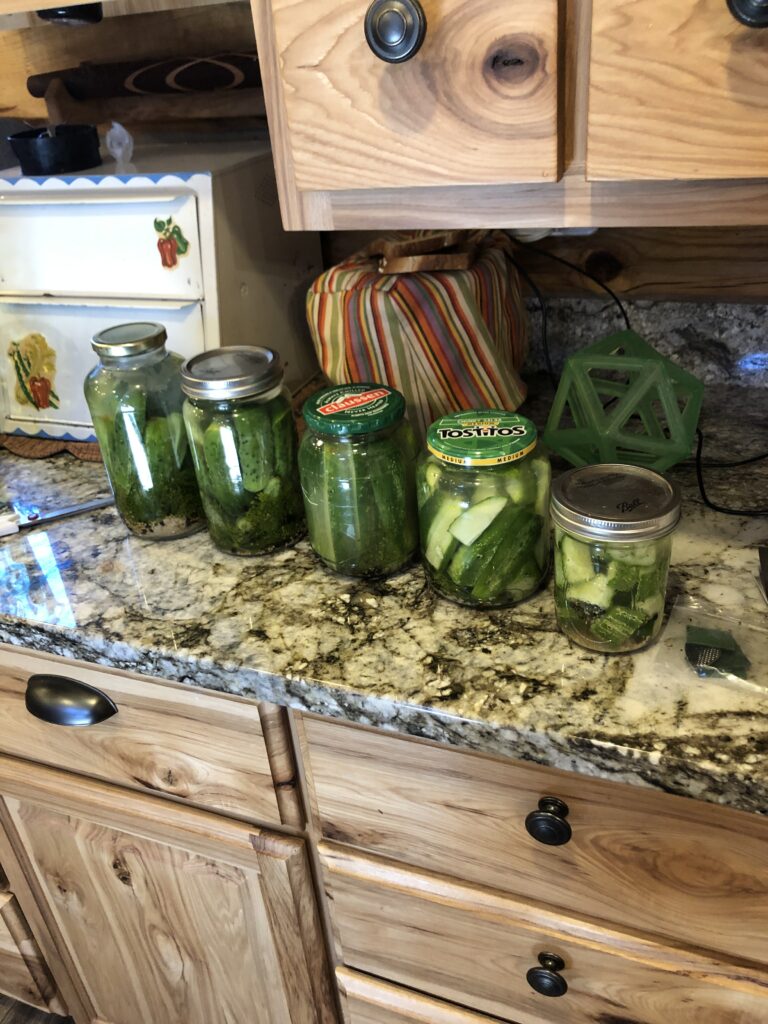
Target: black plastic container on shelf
56, 150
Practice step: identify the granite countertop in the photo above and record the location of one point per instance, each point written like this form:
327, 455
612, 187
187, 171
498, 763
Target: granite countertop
391, 654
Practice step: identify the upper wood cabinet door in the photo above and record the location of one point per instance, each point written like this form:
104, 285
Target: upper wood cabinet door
677, 90
476, 104
164, 914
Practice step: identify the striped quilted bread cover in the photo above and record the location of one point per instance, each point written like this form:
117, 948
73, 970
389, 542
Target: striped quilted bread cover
448, 340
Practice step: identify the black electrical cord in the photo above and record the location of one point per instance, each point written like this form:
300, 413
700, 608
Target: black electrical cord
585, 273
699, 464
543, 308
746, 512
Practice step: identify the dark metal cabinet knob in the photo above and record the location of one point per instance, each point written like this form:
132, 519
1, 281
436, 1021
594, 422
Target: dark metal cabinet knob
63, 701
395, 29
753, 13
548, 824
545, 979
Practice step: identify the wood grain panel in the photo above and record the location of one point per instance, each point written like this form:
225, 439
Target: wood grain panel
572, 202
477, 104
43, 48
677, 90
474, 947
713, 264
181, 918
16, 979
204, 749
370, 1001
665, 865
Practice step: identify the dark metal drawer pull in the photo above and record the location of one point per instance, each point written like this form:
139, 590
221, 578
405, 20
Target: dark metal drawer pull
548, 825
63, 701
546, 979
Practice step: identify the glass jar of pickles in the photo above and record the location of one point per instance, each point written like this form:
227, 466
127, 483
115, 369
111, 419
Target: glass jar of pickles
135, 400
242, 434
613, 541
357, 462
483, 494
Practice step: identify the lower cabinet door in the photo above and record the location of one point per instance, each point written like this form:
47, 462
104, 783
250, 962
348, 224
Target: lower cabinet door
163, 914
499, 956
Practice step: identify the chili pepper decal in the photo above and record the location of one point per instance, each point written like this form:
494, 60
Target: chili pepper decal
34, 363
171, 244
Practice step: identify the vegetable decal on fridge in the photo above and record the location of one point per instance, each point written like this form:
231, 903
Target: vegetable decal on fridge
171, 242
34, 364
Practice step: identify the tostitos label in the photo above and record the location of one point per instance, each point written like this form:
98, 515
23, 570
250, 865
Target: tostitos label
482, 437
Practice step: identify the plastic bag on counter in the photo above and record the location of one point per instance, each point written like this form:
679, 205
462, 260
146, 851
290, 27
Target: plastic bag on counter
714, 645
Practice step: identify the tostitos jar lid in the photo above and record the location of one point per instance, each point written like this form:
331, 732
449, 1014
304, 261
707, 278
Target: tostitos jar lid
482, 437
353, 409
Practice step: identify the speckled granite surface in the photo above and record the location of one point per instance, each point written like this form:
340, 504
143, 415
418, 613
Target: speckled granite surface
718, 342
391, 654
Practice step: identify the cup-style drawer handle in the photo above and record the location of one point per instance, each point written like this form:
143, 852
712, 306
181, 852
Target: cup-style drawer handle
63, 701
548, 825
753, 13
546, 979
395, 29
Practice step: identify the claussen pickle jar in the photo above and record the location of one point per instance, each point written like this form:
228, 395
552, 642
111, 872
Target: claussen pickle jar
243, 437
358, 463
483, 494
613, 541
135, 399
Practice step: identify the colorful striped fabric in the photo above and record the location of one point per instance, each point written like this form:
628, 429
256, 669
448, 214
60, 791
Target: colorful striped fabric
449, 340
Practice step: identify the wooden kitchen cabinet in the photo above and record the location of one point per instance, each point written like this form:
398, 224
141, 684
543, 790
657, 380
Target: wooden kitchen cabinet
475, 948
635, 858
518, 114
677, 90
165, 914
476, 105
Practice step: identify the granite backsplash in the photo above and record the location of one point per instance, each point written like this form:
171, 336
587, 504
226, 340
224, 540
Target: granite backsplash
721, 343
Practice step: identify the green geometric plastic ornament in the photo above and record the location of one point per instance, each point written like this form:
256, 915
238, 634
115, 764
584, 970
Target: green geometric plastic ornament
619, 400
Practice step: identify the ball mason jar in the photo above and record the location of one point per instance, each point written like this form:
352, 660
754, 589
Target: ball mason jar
483, 494
242, 434
358, 462
135, 400
613, 542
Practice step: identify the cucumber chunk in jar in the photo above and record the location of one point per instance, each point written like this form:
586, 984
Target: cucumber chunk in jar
135, 400
613, 543
483, 495
242, 435
357, 463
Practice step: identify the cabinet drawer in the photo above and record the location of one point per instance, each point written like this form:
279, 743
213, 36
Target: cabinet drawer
476, 104
474, 947
370, 1001
175, 741
98, 244
23, 974
661, 864
677, 90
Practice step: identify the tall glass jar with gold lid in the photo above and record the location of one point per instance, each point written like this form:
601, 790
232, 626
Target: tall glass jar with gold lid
135, 400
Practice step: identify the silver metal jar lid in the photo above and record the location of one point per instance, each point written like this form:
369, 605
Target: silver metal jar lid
129, 339
615, 502
238, 371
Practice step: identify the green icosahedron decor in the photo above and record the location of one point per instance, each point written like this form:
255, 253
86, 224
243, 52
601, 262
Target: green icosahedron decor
621, 401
